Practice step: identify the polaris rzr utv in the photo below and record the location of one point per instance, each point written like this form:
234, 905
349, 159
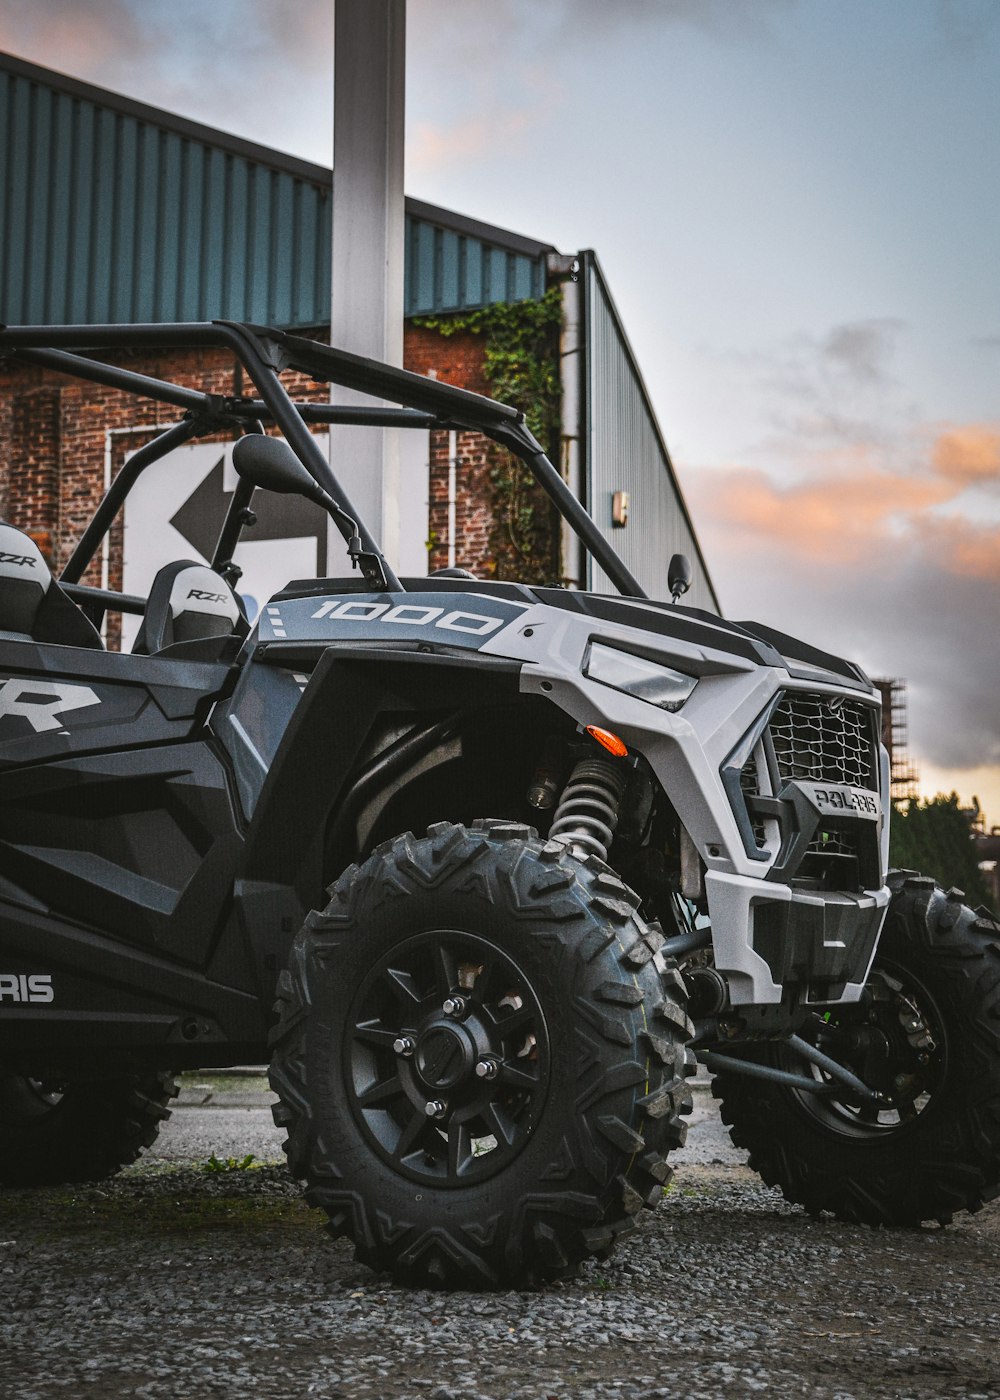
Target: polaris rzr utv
571, 844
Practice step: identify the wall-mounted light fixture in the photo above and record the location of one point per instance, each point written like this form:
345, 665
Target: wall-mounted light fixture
619, 509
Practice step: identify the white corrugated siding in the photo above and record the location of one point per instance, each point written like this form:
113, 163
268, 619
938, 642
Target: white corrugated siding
625, 451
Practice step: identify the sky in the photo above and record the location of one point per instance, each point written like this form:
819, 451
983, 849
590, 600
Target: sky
797, 206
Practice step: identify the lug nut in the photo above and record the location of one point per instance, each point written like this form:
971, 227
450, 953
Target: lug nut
403, 1045
454, 1006
435, 1108
487, 1068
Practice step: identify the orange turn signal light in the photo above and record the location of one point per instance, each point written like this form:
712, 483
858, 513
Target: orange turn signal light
607, 740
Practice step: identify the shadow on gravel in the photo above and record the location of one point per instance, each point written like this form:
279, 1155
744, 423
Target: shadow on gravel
177, 1282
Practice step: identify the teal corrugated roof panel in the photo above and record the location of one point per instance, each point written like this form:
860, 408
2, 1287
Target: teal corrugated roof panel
114, 211
451, 270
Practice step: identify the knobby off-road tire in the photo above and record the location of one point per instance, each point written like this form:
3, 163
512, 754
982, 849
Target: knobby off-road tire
503, 1140
937, 972
83, 1130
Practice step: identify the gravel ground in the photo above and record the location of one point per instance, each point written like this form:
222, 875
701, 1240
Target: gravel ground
173, 1281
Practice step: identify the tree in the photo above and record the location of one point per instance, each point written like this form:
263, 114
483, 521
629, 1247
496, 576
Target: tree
935, 837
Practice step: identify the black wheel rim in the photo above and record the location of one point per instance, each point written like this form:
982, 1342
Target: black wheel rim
22, 1097
896, 1043
446, 1058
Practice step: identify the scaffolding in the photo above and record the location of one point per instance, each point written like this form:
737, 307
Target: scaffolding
904, 778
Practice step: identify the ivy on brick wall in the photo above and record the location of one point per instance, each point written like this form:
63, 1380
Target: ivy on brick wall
521, 367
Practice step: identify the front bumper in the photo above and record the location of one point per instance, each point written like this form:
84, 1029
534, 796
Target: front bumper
773, 942
804, 784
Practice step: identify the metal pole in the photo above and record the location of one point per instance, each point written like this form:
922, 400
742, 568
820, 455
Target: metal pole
366, 314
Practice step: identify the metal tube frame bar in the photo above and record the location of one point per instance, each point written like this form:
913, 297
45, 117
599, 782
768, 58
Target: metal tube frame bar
232, 528
828, 1065
98, 601
719, 1063
689, 942
131, 381
115, 377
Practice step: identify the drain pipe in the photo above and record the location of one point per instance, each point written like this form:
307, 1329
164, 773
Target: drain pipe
566, 268
452, 492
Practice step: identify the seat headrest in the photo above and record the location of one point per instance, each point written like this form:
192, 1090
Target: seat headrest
188, 601
32, 605
24, 581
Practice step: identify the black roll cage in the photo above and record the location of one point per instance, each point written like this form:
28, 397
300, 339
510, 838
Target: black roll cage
264, 353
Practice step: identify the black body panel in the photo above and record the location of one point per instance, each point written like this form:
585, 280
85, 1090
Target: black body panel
56, 701
821, 944
351, 690
130, 882
139, 844
113, 1003
118, 840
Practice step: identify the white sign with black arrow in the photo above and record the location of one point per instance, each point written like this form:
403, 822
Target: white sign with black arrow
176, 510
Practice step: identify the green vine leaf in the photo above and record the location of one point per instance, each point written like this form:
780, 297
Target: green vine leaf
521, 367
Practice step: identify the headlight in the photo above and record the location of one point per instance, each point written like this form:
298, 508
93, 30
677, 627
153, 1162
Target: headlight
646, 680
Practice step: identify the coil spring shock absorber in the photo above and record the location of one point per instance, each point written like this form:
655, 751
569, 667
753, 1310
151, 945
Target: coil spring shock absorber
588, 808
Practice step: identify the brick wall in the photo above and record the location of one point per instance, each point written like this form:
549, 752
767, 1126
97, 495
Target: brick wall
456, 359
32, 484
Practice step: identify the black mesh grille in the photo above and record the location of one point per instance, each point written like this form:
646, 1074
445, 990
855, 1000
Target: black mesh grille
813, 739
824, 739
833, 843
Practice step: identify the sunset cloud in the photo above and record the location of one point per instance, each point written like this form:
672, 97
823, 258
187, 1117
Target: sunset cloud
858, 511
472, 59
498, 120
432, 146
970, 453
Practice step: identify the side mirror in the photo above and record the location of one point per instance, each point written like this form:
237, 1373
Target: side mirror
678, 575
269, 462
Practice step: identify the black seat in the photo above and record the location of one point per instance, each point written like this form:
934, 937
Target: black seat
33, 607
189, 602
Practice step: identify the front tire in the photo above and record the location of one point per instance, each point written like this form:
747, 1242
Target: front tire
54, 1131
480, 1058
928, 1036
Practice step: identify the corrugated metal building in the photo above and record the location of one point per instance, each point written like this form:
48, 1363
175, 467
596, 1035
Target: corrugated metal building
115, 211
111, 210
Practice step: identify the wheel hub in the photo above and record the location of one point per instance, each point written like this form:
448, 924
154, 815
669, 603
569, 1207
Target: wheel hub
445, 1056
895, 1049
